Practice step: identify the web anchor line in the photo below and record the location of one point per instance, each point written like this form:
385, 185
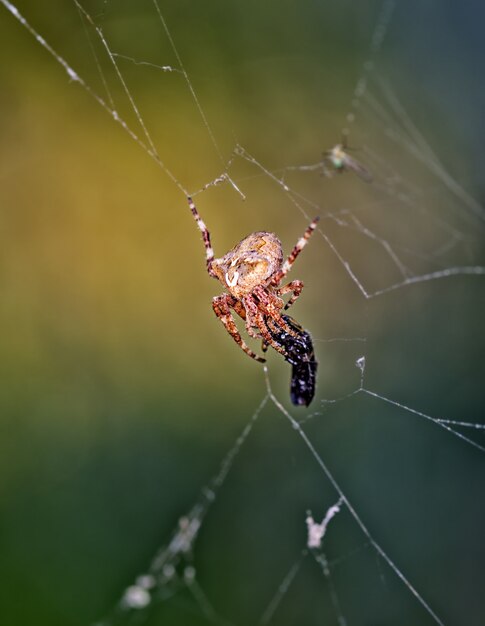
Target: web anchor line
445, 424
75, 77
297, 427
377, 39
162, 570
188, 81
473, 270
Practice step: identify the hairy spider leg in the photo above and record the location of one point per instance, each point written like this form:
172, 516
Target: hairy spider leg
209, 252
252, 322
254, 317
271, 306
241, 311
222, 308
300, 244
296, 287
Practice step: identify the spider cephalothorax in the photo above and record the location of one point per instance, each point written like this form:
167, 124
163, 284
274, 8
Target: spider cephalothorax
252, 262
251, 273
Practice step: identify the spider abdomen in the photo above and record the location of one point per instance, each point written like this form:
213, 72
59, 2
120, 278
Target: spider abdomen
252, 262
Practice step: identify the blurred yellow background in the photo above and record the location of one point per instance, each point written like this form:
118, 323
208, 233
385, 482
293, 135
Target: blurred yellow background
121, 392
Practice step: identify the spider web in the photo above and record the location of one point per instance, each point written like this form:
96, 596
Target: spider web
367, 507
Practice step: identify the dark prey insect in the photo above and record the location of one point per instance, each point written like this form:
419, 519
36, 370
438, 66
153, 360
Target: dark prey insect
252, 272
301, 356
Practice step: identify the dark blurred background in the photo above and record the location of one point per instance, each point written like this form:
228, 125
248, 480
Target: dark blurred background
120, 393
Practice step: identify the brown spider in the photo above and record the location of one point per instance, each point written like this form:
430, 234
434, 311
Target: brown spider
251, 272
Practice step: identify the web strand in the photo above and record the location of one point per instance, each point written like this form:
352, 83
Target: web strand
162, 571
296, 426
283, 588
173, 567
73, 76
151, 151
188, 81
439, 422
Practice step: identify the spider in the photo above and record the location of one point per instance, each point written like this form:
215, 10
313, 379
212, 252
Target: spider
252, 272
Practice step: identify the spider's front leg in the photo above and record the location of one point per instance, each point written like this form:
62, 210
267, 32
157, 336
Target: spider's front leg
255, 318
209, 251
241, 311
270, 304
300, 244
295, 287
222, 308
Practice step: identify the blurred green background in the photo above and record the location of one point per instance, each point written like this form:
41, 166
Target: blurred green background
121, 393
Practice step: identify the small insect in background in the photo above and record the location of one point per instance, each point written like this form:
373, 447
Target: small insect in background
340, 161
251, 273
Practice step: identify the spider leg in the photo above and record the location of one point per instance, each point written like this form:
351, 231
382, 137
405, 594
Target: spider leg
237, 305
255, 318
271, 306
209, 252
250, 324
300, 244
296, 287
222, 308
241, 311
